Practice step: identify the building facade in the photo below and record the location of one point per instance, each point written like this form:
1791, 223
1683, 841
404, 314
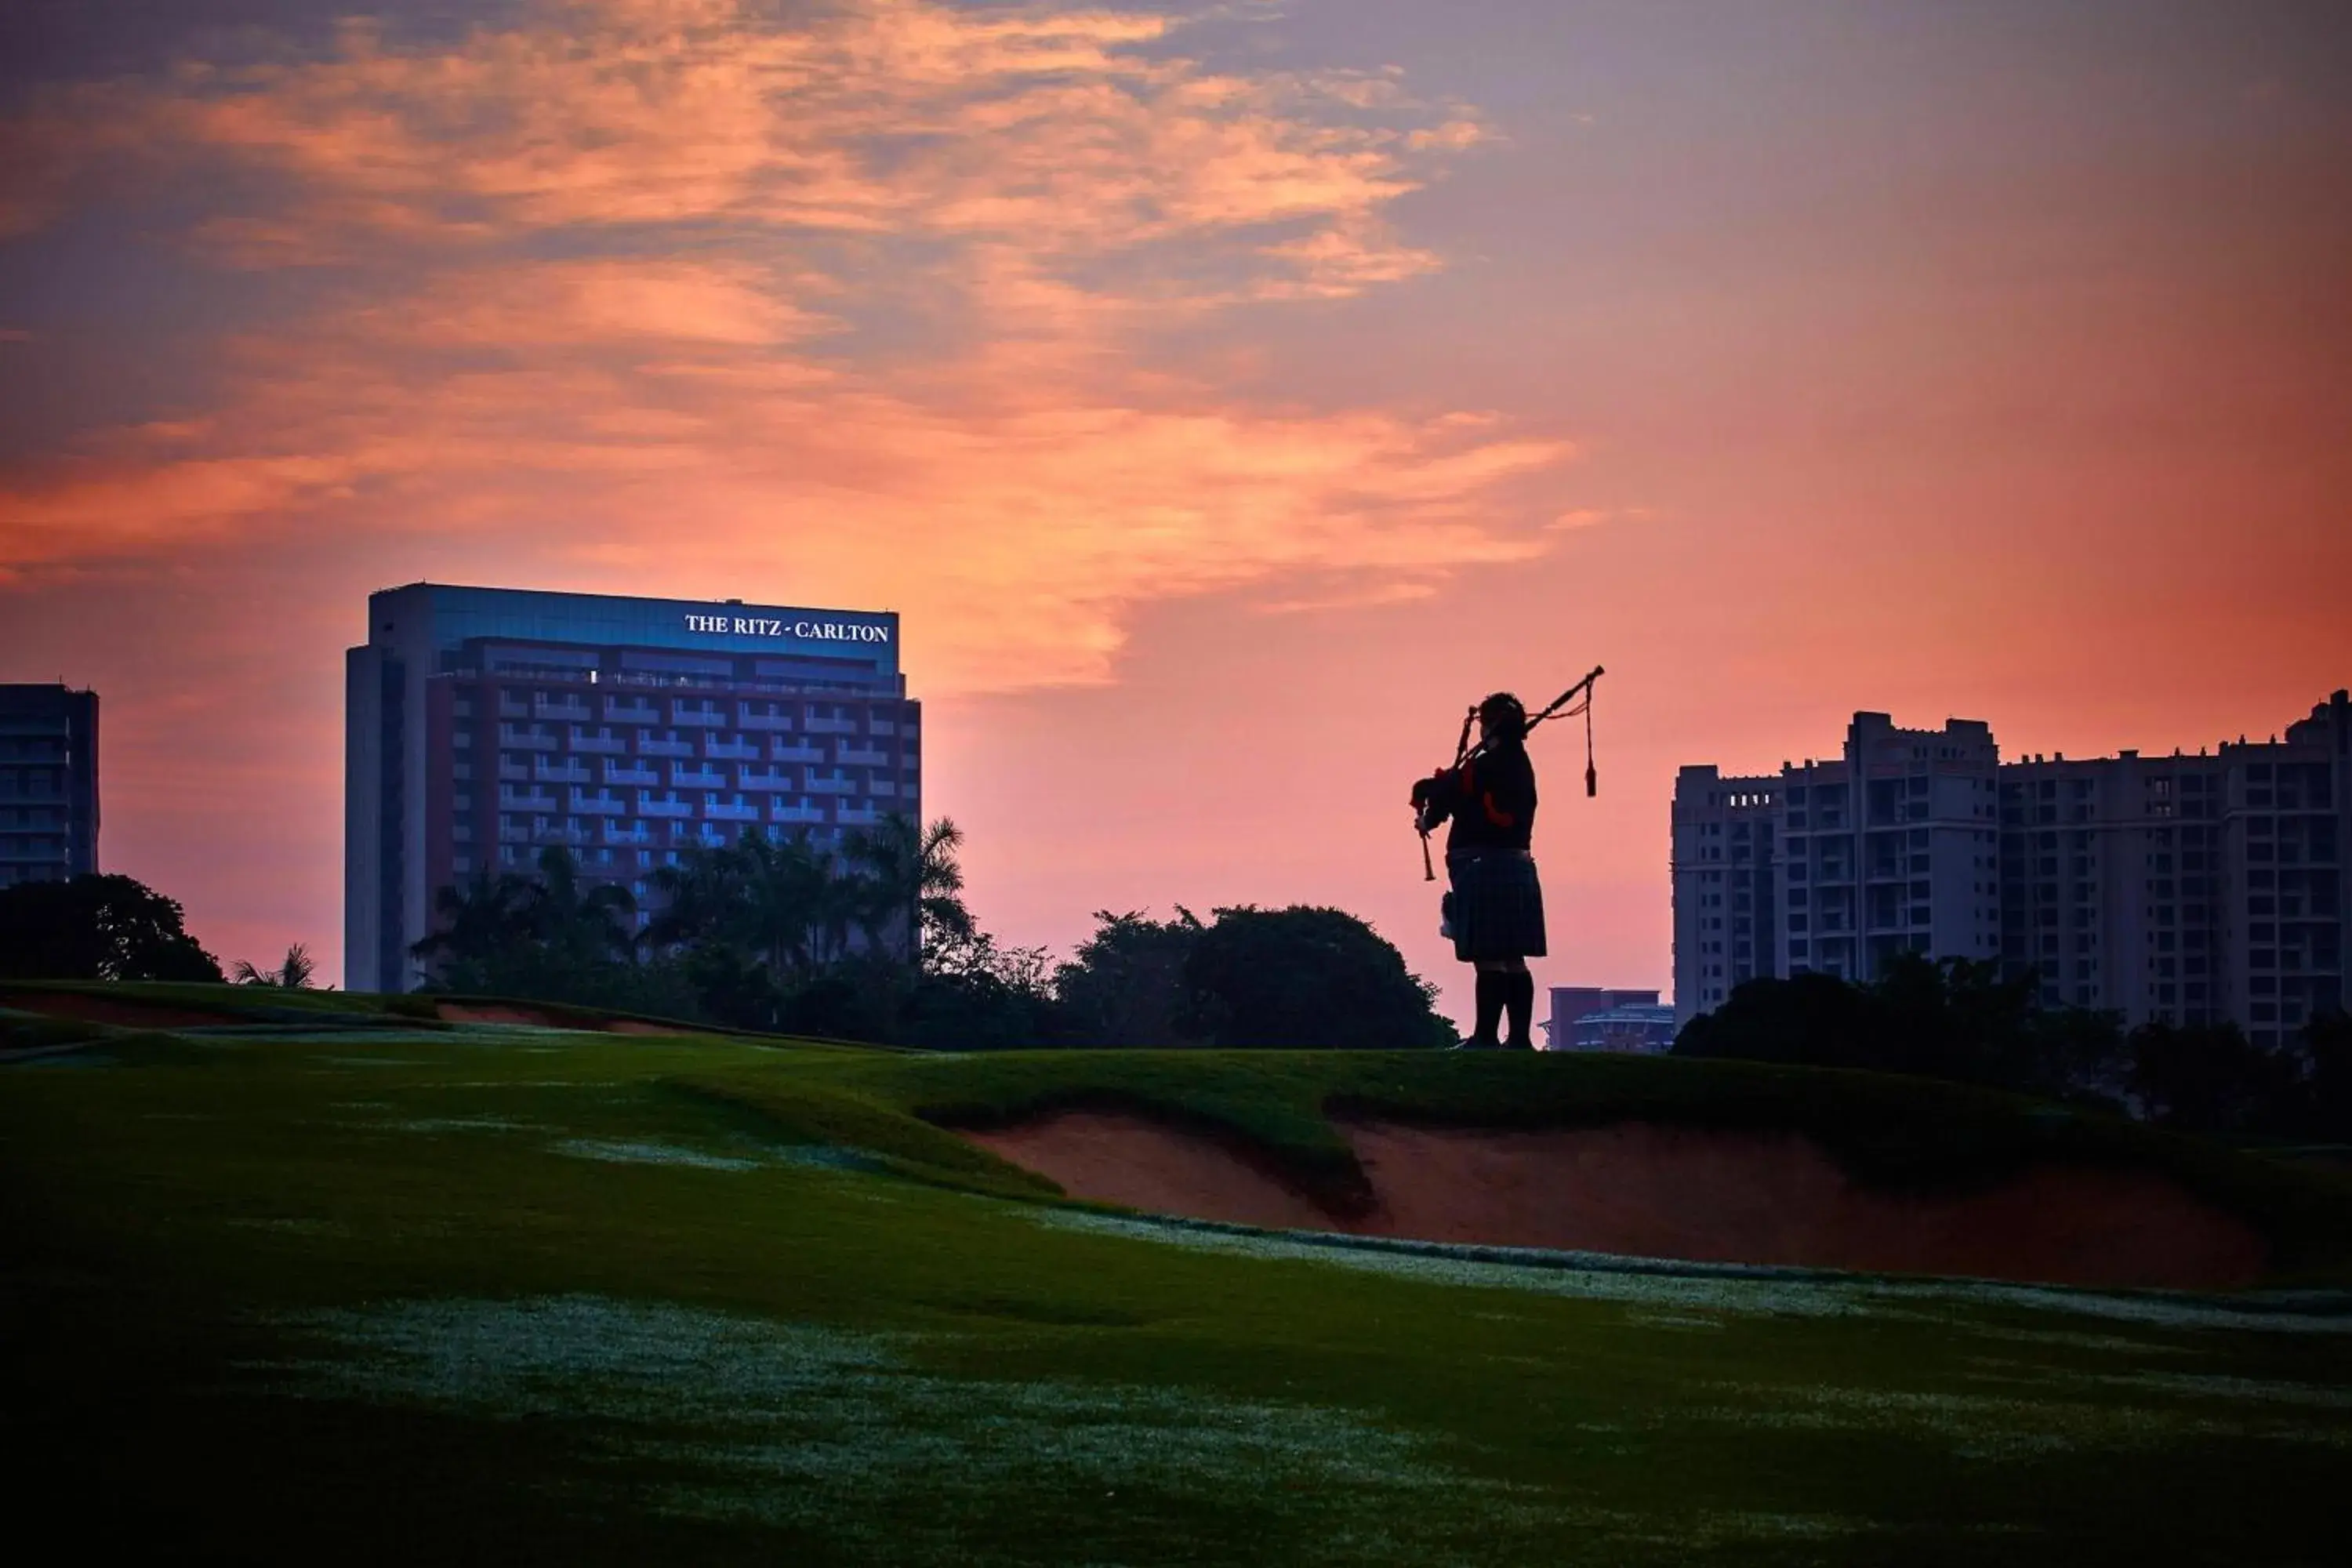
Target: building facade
49, 784
1837, 865
483, 725
1602, 1018
2191, 890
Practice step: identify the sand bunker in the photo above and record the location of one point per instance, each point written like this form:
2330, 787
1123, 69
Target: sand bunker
1654, 1191
466, 1013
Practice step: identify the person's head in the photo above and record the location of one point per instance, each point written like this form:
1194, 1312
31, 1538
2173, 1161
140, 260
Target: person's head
1502, 720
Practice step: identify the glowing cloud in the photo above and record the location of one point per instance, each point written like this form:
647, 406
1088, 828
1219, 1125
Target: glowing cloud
879, 302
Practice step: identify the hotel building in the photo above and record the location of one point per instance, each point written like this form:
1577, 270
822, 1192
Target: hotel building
2191, 889
484, 724
49, 784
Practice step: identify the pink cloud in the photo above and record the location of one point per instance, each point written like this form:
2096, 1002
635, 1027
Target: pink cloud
1027, 197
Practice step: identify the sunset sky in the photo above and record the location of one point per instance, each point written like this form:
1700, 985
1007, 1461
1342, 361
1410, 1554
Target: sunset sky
1225, 394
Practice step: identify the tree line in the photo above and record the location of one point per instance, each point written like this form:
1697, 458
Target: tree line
776, 934
1961, 1020
871, 942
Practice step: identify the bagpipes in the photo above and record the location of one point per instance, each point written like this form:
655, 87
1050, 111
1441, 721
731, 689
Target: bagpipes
1576, 700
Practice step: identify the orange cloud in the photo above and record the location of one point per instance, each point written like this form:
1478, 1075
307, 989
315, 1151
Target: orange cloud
668, 293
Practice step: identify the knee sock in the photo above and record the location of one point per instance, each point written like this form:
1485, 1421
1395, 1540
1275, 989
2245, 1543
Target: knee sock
1521, 1000
1493, 992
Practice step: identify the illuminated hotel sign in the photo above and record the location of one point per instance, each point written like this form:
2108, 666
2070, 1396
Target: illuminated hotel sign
807, 631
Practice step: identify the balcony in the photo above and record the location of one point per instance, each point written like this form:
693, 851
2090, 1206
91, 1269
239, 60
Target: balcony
745, 813
880, 727
519, 772
551, 834
647, 746
697, 776
512, 799
545, 771
684, 718
832, 786
831, 726
510, 708
524, 741
653, 805
795, 752
883, 787
587, 805
574, 709
769, 723
731, 750
863, 756
598, 746
627, 772
630, 711
624, 833
775, 779
851, 816
801, 813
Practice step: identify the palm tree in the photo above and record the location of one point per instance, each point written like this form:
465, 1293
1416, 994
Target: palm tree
787, 900
477, 924
914, 884
585, 927
700, 898
293, 976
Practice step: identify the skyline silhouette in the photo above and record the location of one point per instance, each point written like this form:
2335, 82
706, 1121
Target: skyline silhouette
1222, 400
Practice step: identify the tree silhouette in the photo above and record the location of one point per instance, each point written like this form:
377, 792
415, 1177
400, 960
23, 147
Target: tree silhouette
915, 885
294, 974
1303, 977
97, 927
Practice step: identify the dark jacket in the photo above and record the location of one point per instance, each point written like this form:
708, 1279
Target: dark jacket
1490, 799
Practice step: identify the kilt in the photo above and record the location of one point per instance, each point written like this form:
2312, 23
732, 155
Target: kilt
1497, 905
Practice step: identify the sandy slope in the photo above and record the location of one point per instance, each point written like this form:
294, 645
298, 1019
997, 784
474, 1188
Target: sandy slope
1663, 1192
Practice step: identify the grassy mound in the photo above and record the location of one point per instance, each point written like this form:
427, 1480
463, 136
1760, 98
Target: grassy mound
1893, 1134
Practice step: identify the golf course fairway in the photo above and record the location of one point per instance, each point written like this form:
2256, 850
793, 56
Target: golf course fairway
327, 1281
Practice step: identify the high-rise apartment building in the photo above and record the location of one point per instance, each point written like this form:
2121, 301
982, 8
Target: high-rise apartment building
484, 724
2200, 888
2194, 889
1837, 865
48, 782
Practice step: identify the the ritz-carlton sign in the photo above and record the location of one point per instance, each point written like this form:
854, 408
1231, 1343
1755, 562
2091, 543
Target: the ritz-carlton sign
807, 631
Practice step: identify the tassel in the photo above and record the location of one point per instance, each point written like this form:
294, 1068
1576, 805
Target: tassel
1592, 778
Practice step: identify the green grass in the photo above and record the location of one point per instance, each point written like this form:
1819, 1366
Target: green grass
241, 1002
535, 1295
